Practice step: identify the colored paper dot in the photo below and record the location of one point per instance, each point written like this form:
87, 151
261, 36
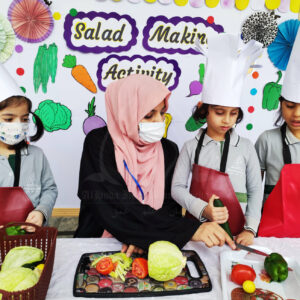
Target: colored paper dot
250, 109
73, 12
20, 71
23, 89
150, 1
56, 16
249, 126
250, 70
210, 20
181, 2
253, 92
255, 75
19, 48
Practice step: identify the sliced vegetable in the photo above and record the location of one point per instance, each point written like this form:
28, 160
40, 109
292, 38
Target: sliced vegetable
165, 261
105, 266
241, 273
19, 256
140, 267
276, 267
249, 286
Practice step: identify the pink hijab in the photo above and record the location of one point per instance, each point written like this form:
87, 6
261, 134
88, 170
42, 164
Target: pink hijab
127, 101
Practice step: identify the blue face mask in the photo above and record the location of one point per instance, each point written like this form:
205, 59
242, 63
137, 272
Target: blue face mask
12, 133
151, 132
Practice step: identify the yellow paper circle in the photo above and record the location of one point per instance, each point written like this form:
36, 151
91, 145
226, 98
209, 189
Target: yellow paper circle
181, 2
241, 4
272, 4
211, 3
150, 1
295, 6
56, 16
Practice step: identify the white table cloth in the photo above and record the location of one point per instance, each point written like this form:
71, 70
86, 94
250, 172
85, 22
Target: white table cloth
69, 251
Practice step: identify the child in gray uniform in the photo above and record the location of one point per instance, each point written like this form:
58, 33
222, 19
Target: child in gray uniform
221, 108
269, 144
33, 173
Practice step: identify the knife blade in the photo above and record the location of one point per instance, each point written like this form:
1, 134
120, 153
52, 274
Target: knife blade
252, 250
240, 246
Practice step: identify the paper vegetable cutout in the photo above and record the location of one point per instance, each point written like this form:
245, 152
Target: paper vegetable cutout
31, 20
55, 116
45, 66
271, 94
280, 50
92, 121
196, 86
7, 39
79, 73
193, 125
261, 27
168, 120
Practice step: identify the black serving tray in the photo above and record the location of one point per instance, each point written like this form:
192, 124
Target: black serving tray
89, 283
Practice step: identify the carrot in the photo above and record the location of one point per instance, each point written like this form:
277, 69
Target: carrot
79, 73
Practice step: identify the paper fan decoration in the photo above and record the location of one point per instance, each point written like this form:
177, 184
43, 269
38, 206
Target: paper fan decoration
261, 27
280, 50
31, 20
7, 39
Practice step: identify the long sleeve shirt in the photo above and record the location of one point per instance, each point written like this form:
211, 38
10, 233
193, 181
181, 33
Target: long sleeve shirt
36, 179
107, 204
242, 167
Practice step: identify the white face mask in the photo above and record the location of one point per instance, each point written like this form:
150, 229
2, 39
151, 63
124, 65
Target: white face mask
152, 131
12, 133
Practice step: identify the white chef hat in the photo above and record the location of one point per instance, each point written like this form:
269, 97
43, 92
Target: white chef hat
226, 69
8, 86
291, 83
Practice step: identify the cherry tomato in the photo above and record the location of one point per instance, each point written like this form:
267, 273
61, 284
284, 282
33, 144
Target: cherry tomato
241, 273
140, 267
105, 266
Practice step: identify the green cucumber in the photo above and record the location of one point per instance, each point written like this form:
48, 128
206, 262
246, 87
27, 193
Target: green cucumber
225, 226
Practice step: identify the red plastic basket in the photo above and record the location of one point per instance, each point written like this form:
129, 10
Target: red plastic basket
43, 238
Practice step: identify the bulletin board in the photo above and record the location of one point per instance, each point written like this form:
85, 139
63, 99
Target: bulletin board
64, 54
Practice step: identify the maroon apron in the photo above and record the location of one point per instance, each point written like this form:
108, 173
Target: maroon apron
206, 182
281, 212
14, 203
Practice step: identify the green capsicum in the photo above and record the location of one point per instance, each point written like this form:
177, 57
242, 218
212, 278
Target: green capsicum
276, 267
15, 230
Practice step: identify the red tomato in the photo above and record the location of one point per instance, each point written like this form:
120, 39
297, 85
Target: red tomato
241, 273
105, 266
140, 267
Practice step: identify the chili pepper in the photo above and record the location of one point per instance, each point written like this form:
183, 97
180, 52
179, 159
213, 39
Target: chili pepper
276, 267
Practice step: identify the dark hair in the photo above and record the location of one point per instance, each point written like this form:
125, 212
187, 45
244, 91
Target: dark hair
279, 121
200, 113
15, 101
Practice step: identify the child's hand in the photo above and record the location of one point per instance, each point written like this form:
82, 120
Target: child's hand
245, 238
35, 217
215, 214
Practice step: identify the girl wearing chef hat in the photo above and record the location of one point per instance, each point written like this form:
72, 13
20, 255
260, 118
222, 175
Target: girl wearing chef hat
279, 155
223, 164
27, 188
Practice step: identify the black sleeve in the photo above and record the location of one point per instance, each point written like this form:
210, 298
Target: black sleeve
107, 204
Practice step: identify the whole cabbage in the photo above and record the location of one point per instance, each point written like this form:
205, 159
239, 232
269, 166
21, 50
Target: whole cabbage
165, 261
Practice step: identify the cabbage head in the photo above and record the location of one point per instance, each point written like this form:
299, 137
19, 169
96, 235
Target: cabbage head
19, 256
17, 279
165, 261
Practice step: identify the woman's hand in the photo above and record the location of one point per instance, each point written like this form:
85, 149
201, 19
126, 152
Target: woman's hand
35, 217
131, 249
215, 214
213, 234
245, 238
